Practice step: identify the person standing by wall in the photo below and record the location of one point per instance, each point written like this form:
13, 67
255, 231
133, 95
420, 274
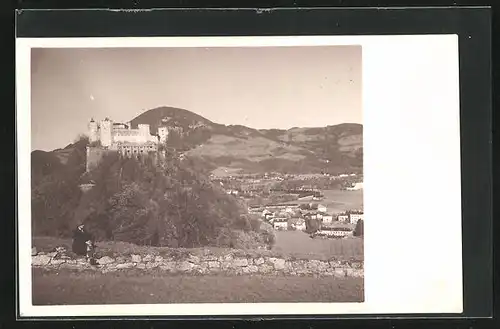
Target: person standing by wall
81, 241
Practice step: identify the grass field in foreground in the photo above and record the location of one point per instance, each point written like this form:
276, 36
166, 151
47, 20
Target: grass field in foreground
296, 244
72, 288
299, 245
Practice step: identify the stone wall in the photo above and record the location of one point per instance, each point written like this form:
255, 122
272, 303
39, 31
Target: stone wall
206, 264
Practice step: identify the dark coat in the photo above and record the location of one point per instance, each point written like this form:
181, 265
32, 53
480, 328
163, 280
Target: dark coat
79, 239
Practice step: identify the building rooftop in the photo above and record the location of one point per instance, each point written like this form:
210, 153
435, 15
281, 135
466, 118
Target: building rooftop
149, 143
126, 132
344, 229
338, 225
282, 205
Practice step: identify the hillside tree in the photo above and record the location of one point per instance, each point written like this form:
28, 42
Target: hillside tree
358, 230
312, 225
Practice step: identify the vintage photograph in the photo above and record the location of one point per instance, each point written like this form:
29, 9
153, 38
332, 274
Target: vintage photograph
173, 175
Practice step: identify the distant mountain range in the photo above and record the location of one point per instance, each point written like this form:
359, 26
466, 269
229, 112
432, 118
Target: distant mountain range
235, 148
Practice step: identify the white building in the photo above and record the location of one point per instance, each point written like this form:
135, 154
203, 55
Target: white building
163, 133
300, 225
311, 215
322, 208
327, 219
338, 232
343, 218
355, 187
355, 217
280, 225
112, 134
266, 213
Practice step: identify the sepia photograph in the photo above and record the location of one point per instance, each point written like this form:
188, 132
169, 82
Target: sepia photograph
170, 175
231, 176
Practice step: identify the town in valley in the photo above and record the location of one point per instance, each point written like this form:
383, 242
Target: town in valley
288, 202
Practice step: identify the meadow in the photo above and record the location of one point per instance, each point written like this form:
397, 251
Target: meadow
289, 244
299, 245
71, 288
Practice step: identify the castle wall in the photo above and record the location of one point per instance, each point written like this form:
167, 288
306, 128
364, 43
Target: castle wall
93, 132
129, 136
133, 137
144, 129
129, 150
120, 137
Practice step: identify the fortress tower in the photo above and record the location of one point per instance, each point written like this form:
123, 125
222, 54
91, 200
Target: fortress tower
106, 132
163, 133
143, 132
93, 130
143, 128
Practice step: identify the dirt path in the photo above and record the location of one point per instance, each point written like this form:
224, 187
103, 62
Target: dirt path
65, 287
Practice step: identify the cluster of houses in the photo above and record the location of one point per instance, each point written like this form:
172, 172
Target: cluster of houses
334, 231
256, 178
293, 216
352, 186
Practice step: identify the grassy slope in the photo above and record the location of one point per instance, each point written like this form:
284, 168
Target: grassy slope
250, 149
301, 246
289, 244
67, 287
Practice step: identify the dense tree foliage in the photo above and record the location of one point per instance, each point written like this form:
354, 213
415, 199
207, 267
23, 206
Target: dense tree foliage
156, 200
54, 188
359, 229
312, 225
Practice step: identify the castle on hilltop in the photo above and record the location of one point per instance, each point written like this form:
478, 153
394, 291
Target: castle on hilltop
107, 136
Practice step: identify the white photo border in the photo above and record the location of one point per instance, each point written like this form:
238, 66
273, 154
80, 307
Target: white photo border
412, 178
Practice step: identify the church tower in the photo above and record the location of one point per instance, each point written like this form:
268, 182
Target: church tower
93, 131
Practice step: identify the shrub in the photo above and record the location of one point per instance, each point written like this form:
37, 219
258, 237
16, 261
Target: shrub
247, 240
255, 223
312, 225
269, 238
359, 229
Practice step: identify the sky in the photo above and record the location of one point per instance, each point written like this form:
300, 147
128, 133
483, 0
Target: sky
259, 87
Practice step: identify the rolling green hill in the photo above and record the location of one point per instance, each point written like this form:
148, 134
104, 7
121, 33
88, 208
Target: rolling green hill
331, 149
236, 148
